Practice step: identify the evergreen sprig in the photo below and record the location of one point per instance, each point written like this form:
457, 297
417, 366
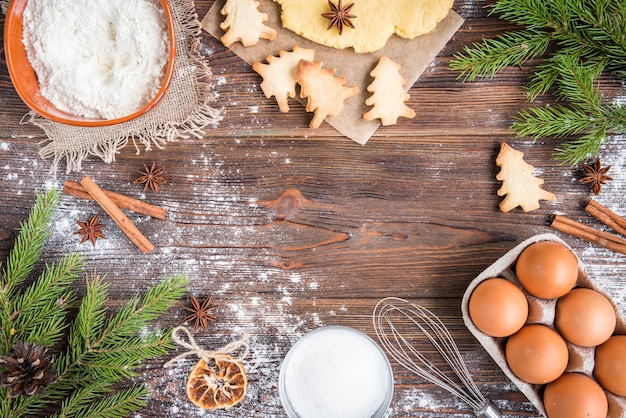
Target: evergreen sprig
575, 42
98, 351
36, 314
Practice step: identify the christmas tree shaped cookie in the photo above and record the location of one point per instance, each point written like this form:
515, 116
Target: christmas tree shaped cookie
388, 96
325, 92
519, 184
244, 23
279, 74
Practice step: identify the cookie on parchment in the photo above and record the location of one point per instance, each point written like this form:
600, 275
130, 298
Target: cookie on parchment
244, 23
388, 95
279, 74
325, 92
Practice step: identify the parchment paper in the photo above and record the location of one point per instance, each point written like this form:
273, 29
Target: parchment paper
413, 55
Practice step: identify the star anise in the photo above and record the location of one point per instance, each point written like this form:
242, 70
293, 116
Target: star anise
200, 312
595, 176
90, 230
152, 177
339, 16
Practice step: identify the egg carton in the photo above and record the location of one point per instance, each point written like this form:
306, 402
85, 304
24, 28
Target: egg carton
542, 311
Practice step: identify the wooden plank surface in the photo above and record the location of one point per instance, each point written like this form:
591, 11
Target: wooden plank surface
291, 229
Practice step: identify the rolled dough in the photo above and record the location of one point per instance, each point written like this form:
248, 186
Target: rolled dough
376, 21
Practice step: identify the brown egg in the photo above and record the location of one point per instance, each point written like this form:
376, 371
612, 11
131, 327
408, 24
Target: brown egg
575, 395
536, 354
547, 269
610, 366
585, 317
498, 307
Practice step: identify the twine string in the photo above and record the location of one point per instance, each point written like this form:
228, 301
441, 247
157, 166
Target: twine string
240, 346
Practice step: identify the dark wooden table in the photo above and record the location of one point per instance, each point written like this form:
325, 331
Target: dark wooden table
290, 229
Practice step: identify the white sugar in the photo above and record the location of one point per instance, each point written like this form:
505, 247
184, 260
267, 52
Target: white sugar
336, 372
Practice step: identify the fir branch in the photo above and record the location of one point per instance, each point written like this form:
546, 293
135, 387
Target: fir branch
42, 307
487, 59
47, 331
576, 82
89, 322
21, 406
113, 354
150, 345
562, 122
139, 311
532, 13
589, 39
21, 261
602, 24
552, 121
118, 405
119, 359
29, 244
91, 318
544, 77
549, 71
100, 351
587, 144
81, 399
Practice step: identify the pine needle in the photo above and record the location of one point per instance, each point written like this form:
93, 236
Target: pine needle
576, 43
117, 405
81, 399
29, 243
101, 351
512, 49
139, 311
21, 261
42, 307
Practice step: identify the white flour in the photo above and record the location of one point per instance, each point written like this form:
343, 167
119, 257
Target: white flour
97, 58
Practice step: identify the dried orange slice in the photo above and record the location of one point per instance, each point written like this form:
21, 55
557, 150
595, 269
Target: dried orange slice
219, 383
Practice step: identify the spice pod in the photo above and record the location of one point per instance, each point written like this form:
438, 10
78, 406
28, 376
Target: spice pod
336, 371
541, 311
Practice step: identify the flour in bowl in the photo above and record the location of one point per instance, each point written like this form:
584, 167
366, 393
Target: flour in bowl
101, 59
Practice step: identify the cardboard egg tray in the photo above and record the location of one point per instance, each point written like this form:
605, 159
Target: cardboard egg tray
581, 359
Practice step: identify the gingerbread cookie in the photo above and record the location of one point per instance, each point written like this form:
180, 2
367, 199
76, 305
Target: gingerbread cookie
244, 23
279, 74
388, 96
519, 184
324, 91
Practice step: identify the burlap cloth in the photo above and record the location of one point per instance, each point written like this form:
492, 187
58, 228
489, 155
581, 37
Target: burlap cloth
184, 112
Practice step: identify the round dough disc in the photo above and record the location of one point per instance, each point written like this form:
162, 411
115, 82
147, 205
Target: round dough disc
376, 21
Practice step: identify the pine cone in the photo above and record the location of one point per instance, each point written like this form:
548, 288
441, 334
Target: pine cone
27, 371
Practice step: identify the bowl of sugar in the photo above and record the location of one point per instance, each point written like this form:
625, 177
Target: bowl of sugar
336, 372
90, 62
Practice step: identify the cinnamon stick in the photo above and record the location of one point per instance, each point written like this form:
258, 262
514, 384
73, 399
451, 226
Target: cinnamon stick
117, 215
589, 234
75, 189
606, 216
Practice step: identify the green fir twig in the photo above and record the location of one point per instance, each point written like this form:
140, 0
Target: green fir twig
575, 43
98, 352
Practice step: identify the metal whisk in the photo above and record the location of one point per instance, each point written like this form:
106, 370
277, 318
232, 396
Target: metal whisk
396, 318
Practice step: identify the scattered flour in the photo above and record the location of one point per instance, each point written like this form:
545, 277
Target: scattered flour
240, 286
96, 58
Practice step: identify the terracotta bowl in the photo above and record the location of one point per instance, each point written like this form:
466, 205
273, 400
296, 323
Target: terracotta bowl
27, 86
